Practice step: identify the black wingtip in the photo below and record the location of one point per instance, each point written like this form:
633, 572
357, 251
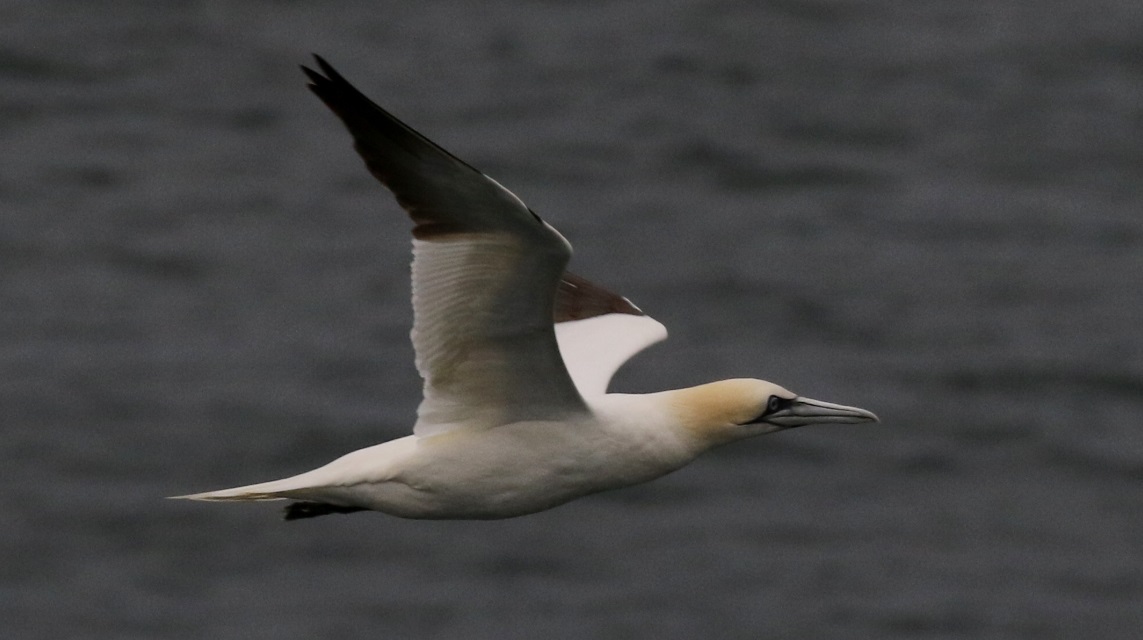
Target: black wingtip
315, 77
374, 129
325, 66
327, 83
330, 74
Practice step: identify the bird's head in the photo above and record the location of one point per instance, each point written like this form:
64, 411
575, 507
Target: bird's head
730, 410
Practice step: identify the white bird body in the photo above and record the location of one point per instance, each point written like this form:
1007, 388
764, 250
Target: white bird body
516, 355
502, 471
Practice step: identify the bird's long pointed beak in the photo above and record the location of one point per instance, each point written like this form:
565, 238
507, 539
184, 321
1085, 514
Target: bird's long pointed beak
804, 411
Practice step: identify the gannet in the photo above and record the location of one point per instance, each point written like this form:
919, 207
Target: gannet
516, 355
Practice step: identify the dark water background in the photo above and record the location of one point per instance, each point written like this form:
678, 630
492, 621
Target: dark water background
929, 209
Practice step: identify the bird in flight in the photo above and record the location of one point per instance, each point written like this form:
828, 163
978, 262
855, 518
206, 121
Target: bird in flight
516, 355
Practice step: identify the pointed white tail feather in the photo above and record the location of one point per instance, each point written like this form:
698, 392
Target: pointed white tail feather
345, 470
226, 496
275, 490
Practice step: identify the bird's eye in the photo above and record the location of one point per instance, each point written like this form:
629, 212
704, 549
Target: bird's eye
773, 404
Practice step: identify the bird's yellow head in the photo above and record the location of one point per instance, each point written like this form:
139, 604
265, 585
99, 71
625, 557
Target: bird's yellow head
728, 410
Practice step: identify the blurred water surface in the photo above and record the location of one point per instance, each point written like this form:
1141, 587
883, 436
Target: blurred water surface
929, 209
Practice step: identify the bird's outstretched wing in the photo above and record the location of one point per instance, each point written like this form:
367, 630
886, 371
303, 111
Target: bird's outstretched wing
488, 281
485, 272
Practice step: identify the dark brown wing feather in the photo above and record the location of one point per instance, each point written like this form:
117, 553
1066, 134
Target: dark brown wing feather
579, 299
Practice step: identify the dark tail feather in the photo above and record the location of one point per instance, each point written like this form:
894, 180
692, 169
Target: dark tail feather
300, 510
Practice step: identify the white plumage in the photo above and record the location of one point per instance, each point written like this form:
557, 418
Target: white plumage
593, 349
516, 356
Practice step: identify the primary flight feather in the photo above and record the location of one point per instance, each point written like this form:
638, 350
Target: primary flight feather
516, 354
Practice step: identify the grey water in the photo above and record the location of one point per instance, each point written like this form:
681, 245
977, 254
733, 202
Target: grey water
928, 209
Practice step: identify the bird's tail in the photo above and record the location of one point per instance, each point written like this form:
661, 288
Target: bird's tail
275, 490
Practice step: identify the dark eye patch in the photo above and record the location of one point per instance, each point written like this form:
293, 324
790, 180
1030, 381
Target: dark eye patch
776, 404
773, 405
